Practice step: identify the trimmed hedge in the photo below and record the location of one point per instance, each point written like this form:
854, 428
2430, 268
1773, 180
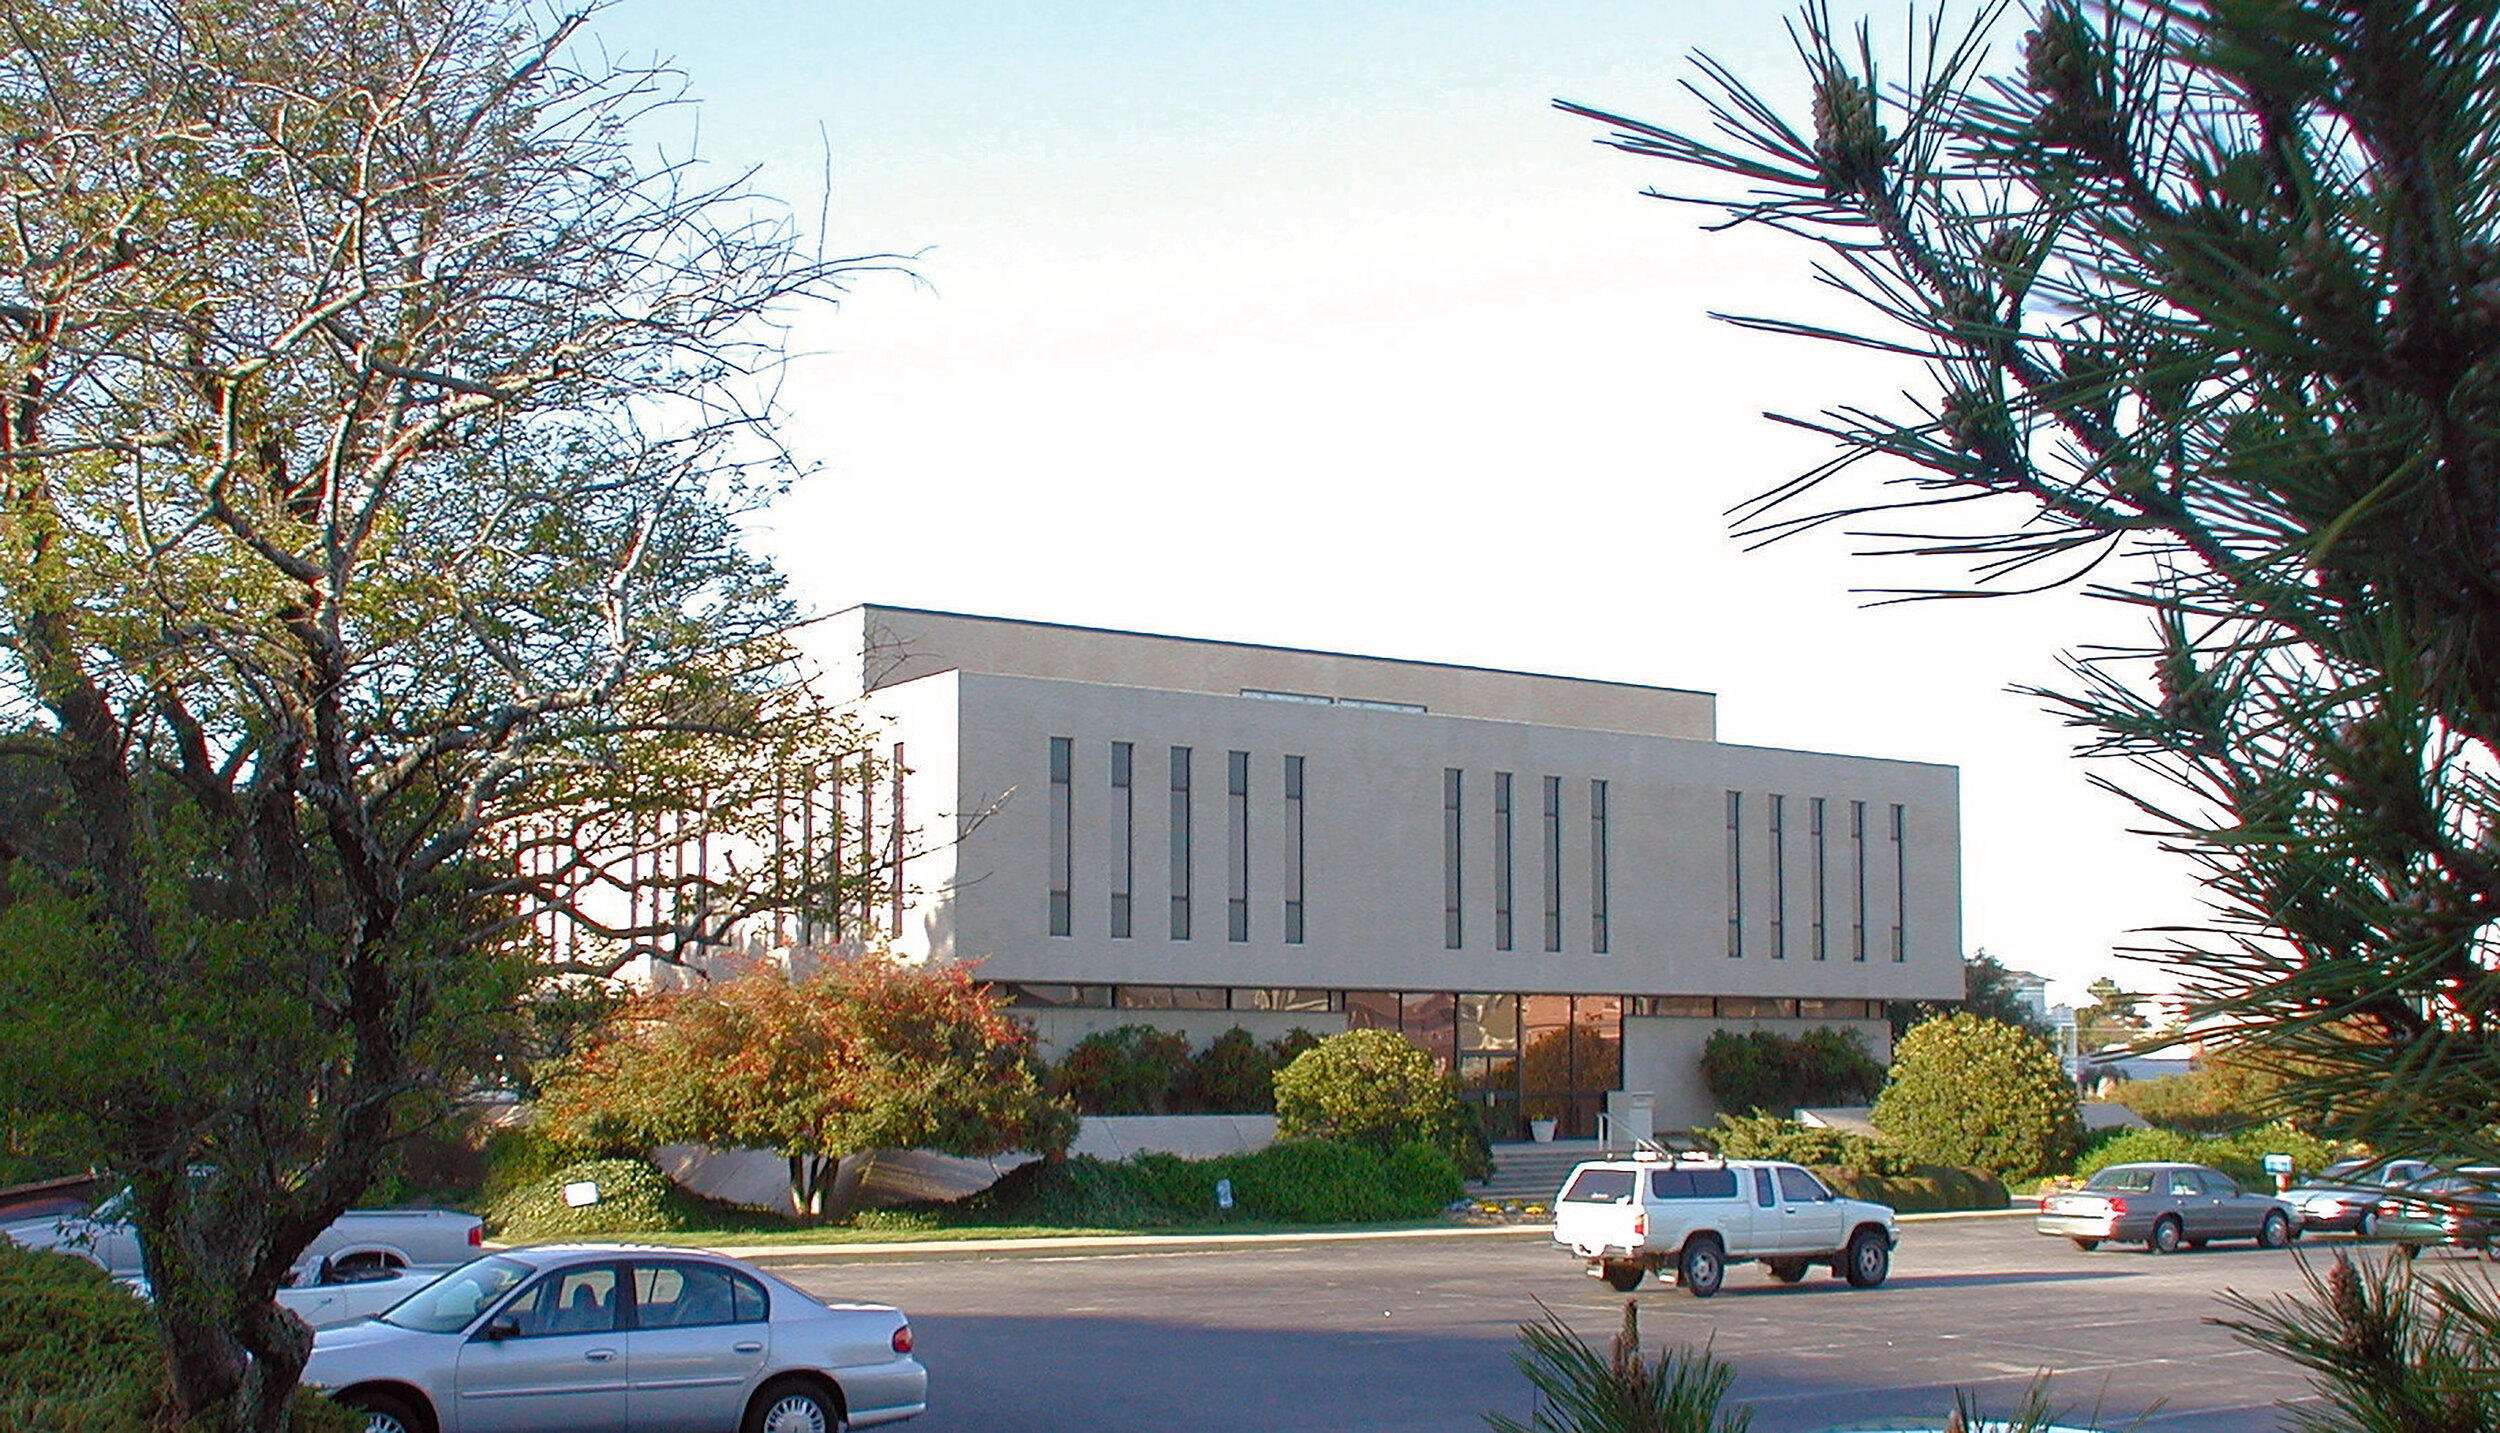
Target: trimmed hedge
1926, 1189
78, 1354
1303, 1181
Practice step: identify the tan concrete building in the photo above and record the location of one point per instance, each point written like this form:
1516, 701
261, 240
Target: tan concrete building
1559, 887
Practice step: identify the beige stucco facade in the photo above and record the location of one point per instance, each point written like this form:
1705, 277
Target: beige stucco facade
1639, 859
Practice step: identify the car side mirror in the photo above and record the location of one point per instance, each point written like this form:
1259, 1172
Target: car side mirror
499, 1329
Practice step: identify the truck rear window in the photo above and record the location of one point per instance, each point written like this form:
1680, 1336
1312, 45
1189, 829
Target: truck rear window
1719, 1183
1599, 1186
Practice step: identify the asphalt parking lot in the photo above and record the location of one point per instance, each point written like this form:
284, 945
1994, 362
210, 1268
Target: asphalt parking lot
1417, 1333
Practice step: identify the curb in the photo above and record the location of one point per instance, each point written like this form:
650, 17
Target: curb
1130, 1243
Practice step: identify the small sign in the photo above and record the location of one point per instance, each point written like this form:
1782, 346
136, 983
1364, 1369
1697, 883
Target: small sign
2278, 1164
1223, 1194
581, 1192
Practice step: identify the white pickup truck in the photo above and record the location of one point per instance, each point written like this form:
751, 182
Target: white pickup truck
363, 1263
1694, 1216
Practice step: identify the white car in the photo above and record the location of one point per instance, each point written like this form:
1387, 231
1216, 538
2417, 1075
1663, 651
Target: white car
595, 1338
362, 1247
1694, 1216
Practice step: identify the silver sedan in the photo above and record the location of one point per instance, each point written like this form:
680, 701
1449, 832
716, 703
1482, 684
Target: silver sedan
607, 1338
2165, 1206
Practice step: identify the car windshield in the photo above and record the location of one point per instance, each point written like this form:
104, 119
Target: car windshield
451, 1302
2344, 1172
2122, 1179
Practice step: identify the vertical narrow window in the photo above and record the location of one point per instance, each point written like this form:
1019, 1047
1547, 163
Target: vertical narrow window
864, 842
1822, 886
1503, 881
1453, 932
1062, 832
1553, 863
1237, 845
1298, 835
1857, 873
894, 862
1180, 843
1779, 877
1735, 874
1597, 867
1900, 885
1123, 840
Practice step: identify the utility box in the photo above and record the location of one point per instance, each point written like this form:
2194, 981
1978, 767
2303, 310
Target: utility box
1631, 1118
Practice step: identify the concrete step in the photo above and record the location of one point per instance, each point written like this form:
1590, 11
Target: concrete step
1531, 1173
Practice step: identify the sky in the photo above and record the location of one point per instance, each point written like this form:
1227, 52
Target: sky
1315, 325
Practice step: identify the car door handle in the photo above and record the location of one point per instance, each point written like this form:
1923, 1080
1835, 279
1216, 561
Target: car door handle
750, 1346
599, 1355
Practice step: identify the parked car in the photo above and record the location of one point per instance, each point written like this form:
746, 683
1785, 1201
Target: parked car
2164, 1207
1694, 1216
560, 1338
362, 1246
2345, 1195
2461, 1208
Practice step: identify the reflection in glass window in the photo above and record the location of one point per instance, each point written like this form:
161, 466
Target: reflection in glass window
693, 1295
569, 1301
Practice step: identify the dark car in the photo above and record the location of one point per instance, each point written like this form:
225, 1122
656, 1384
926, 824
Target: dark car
2165, 1206
2461, 1209
2345, 1195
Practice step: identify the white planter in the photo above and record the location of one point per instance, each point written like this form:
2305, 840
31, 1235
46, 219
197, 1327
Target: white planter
1542, 1131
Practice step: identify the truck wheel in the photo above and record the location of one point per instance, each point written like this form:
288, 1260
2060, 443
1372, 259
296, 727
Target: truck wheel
1702, 1265
1622, 1278
1869, 1258
1787, 1271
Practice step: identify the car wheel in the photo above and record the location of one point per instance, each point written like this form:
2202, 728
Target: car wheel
1702, 1265
2275, 1232
2166, 1236
2087, 1245
384, 1413
1622, 1278
2366, 1227
1869, 1259
792, 1408
1787, 1271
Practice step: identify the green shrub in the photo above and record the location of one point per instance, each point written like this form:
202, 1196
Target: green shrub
1770, 1137
1970, 1091
1925, 1189
1234, 1075
78, 1354
1373, 1088
1079, 1192
1133, 1070
1426, 1179
1303, 1181
2142, 1146
1764, 1071
634, 1198
516, 1157
2241, 1155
